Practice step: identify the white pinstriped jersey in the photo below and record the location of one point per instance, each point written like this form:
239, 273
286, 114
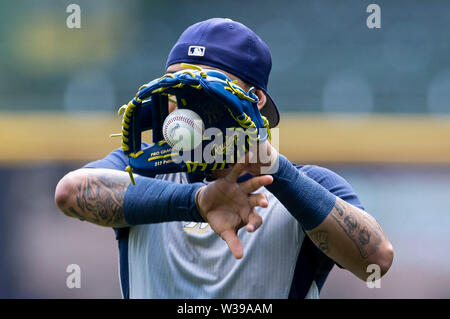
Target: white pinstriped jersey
188, 260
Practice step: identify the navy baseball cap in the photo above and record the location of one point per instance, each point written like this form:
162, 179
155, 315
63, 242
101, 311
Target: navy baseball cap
230, 46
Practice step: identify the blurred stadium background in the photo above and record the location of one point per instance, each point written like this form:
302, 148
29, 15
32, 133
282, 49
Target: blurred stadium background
371, 104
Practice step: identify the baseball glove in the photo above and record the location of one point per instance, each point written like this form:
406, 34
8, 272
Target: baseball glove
220, 103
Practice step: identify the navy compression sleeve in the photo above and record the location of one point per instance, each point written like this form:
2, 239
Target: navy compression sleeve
156, 201
308, 201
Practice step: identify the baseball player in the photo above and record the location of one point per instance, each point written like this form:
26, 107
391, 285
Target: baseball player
232, 233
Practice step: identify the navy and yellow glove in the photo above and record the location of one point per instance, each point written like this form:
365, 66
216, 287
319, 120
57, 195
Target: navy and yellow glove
220, 103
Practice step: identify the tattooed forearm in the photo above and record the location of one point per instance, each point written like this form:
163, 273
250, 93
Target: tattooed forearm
365, 233
72, 212
320, 238
99, 199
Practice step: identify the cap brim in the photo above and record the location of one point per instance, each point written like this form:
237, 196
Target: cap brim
270, 111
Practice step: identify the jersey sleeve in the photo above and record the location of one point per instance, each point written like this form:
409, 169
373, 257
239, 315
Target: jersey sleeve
114, 160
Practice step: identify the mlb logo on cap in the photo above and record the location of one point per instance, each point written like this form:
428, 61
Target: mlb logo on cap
195, 50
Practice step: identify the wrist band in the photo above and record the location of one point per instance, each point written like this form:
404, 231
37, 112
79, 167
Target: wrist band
308, 201
156, 201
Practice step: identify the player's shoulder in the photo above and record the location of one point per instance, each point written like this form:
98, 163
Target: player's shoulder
320, 174
114, 160
332, 181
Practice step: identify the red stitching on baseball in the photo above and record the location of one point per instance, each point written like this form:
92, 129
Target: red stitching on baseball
184, 119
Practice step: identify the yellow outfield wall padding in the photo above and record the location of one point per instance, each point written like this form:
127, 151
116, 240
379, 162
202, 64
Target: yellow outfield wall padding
352, 139
302, 138
80, 137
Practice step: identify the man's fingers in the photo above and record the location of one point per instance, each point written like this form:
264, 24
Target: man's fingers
254, 221
233, 242
245, 158
256, 182
235, 172
258, 200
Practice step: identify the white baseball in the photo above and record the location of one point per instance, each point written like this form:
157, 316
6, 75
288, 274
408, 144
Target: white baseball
183, 129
